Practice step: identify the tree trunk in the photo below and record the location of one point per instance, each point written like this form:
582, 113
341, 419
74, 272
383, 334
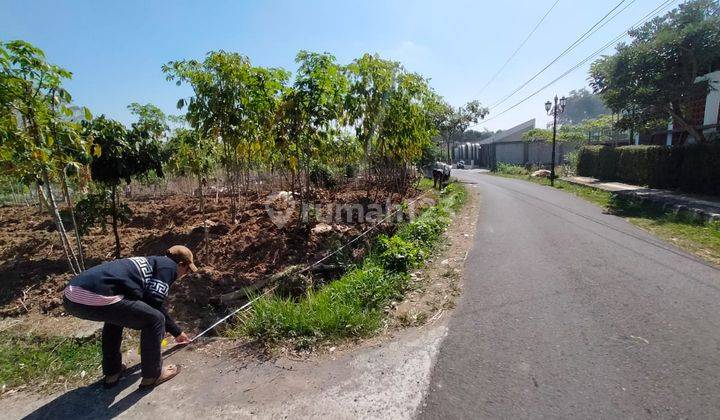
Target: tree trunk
52, 206
115, 221
14, 196
680, 119
202, 211
367, 167
24, 196
229, 182
42, 201
71, 209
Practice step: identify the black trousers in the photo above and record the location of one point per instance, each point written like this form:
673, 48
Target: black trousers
134, 314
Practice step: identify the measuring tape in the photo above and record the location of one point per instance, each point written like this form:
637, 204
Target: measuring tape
304, 270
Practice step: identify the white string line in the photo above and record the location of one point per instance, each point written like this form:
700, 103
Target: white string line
307, 268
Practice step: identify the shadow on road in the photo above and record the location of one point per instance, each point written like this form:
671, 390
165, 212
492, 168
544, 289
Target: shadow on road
91, 402
94, 401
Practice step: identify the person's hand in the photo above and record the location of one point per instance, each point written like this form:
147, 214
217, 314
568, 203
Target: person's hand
182, 339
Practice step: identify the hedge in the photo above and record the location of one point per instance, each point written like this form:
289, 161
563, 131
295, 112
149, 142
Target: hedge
655, 166
598, 161
700, 169
692, 168
587, 162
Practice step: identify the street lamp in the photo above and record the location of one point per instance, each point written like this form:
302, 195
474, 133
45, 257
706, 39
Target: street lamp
550, 109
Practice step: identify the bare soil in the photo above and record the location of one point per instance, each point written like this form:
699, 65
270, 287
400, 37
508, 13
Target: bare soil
240, 252
437, 285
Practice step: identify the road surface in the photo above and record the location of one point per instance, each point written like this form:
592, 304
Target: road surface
571, 313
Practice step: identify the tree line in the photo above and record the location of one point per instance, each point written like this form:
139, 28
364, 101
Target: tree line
370, 116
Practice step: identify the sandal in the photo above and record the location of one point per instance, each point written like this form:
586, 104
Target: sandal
109, 384
160, 379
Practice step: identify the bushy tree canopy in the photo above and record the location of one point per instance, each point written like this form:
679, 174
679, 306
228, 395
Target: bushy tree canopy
651, 79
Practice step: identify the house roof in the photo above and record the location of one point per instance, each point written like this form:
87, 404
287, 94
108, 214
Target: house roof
510, 135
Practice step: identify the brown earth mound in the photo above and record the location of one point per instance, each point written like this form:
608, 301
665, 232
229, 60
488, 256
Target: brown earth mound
34, 269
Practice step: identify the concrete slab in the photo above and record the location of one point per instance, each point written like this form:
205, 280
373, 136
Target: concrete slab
703, 207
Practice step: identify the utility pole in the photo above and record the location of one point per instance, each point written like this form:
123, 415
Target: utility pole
549, 107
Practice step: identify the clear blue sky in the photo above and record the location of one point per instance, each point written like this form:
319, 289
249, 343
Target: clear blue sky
115, 49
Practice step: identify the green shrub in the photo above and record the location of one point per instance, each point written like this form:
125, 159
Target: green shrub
655, 166
322, 176
607, 163
453, 197
351, 306
700, 169
597, 161
587, 161
354, 304
397, 255
426, 229
351, 171
692, 168
96, 209
571, 162
509, 169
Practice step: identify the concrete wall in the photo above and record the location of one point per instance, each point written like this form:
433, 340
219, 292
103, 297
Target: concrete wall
513, 153
539, 153
529, 153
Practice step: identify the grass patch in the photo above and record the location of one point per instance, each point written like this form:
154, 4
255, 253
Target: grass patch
425, 184
594, 195
355, 305
696, 236
43, 361
600, 197
511, 170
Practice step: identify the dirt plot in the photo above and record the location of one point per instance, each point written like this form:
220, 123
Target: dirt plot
241, 252
436, 286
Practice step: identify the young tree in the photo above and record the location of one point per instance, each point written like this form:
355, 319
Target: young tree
453, 121
195, 155
650, 80
123, 154
312, 111
38, 141
232, 102
151, 120
372, 82
408, 128
602, 127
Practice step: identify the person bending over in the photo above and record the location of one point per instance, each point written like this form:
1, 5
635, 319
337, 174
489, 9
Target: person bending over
129, 293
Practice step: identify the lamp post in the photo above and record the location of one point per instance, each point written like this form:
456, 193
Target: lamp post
549, 108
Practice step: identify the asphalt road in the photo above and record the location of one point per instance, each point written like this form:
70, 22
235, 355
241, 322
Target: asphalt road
571, 313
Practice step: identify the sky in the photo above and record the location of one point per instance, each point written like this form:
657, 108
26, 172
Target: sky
116, 49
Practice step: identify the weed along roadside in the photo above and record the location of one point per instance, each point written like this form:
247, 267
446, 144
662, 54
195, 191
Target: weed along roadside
355, 305
695, 235
39, 362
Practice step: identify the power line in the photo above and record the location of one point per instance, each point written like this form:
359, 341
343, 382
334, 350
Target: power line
646, 18
522, 44
572, 46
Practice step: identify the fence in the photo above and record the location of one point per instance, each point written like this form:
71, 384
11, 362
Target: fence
516, 153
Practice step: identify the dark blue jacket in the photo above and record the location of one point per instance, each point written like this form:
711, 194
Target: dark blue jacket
137, 278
